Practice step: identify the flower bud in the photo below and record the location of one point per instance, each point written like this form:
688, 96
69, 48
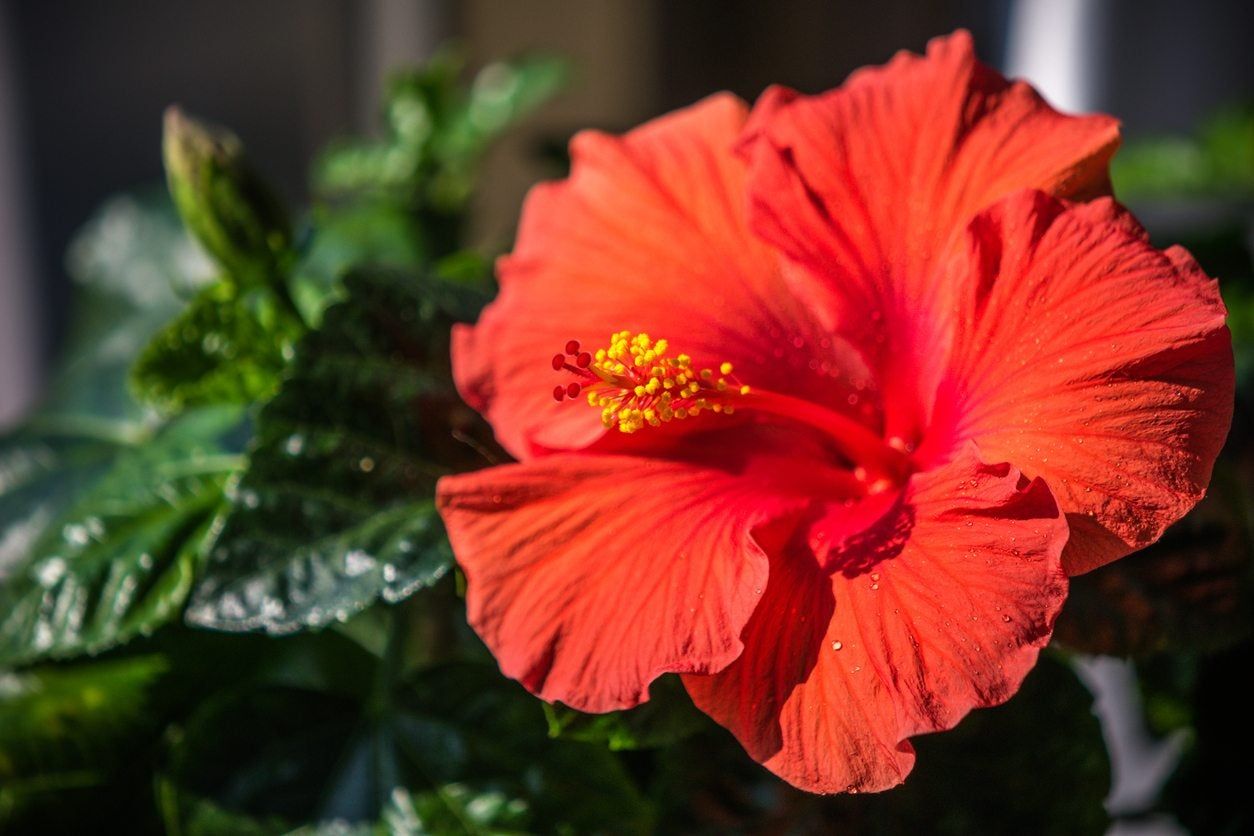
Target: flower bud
222, 201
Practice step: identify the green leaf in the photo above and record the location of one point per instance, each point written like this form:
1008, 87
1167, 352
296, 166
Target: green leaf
1217, 162
42, 468
187, 814
230, 210
668, 716
119, 560
335, 509
455, 808
359, 235
56, 716
133, 266
229, 346
1208, 792
67, 729
1238, 293
1013, 770
455, 749
436, 131
1034, 765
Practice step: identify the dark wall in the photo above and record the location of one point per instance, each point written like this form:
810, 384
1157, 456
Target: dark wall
94, 78
744, 46
1172, 63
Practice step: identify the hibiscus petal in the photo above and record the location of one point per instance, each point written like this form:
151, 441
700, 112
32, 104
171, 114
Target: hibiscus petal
867, 185
941, 606
1093, 360
648, 234
887, 168
588, 576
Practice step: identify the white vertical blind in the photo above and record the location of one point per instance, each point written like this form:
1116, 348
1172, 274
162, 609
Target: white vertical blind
1055, 44
19, 330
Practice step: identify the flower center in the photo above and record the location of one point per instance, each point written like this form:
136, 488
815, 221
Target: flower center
637, 384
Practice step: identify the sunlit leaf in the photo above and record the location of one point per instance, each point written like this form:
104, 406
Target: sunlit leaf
335, 509
229, 346
119, 559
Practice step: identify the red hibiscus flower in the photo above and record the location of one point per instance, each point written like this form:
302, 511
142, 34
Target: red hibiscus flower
819, 406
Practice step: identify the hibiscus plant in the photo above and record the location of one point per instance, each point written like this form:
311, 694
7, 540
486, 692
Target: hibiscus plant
794, 433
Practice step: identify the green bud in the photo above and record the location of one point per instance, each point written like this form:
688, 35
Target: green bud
223, 202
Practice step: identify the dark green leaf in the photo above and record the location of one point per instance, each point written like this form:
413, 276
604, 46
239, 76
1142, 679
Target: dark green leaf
119, 560
1208, 791
68, 729
1035, 765
188, 814
335, 510
436, 131
229, 346
362, 234
455, 808
1239, 299
668, 716
455, 750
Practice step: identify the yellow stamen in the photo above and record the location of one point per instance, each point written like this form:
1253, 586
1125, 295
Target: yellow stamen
636, 383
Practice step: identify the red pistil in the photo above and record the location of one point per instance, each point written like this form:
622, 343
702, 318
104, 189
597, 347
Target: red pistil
562, 362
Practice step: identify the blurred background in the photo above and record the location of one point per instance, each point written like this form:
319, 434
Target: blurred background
83, 85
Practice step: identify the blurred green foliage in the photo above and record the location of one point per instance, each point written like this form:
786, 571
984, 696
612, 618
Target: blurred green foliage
1218, 162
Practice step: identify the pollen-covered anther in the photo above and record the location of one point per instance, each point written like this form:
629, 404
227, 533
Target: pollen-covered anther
636, 383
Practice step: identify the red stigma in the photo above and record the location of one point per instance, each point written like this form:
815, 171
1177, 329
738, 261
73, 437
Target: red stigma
577, 363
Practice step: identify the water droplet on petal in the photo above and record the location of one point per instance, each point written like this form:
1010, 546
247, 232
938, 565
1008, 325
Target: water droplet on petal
837, 645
